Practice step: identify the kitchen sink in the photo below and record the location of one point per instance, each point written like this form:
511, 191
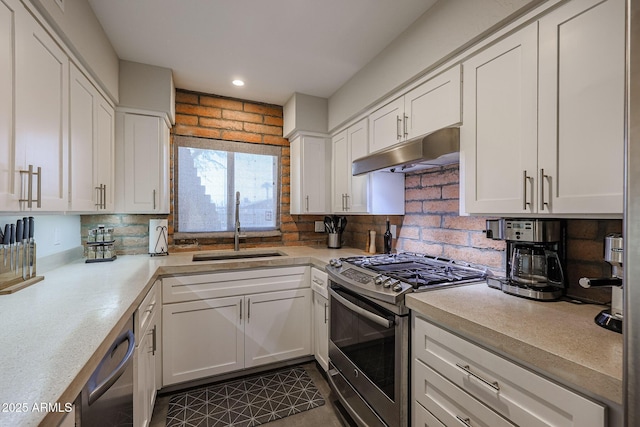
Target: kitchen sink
241, 255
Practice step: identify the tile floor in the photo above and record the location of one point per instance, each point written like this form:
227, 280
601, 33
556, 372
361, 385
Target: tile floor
324, 416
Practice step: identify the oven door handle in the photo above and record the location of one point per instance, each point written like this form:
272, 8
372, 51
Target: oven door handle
361, 311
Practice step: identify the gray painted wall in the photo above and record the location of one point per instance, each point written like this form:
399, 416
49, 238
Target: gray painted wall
446, 27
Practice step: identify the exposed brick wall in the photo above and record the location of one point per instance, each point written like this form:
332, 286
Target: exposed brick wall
213, 117
432, 226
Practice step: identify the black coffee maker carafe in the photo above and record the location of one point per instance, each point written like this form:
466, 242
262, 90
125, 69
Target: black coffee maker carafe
534, 259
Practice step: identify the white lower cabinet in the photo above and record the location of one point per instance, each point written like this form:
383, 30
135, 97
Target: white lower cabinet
278, 326
319, 283
232, 326
146, 357
455, 382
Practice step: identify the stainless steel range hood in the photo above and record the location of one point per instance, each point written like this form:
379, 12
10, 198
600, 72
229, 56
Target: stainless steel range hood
439, 148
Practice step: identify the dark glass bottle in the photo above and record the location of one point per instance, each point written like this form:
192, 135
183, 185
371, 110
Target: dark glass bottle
387, 239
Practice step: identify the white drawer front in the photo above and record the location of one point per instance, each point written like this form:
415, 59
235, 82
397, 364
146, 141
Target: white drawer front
320, 282
146, 309
423, 418
518, 394
448, 403
230, 283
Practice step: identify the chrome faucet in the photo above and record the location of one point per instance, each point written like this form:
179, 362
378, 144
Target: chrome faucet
236, 234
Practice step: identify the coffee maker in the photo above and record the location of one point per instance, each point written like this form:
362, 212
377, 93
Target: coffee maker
613, 254
535, 257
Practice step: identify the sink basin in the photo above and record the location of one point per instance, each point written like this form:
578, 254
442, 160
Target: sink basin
236, 255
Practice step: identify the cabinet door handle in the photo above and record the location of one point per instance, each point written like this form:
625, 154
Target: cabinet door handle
543, 176
104, 196
405, 125
464, 421
154, 346
325, 313
240, 309
398, 126
39, 187
318, 281
525, 201
344, 206
30, 173
493, 384
248, 309
307, 203
154, 200
347, 205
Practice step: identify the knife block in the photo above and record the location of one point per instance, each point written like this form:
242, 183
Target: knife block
17, 267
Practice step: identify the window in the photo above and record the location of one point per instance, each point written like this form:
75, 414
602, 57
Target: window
210, 172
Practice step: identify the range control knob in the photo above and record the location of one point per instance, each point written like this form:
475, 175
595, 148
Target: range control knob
387, 282
334, 262
397, 287
379, 280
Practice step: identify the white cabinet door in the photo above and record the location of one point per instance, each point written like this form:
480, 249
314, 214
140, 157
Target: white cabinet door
321, 329
582, 78
145, 375
8, 11
41, 115
83, 102
498, 140
310, 158
386, 125
105, 167
202, 338
278, 326
340, 176
143, 177
358, 144
434, 104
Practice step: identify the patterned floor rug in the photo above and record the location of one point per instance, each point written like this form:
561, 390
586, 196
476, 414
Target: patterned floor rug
246, 402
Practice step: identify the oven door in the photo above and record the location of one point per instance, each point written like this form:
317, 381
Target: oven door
369, 347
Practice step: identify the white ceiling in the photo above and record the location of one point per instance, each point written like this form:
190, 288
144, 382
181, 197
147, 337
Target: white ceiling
277, 46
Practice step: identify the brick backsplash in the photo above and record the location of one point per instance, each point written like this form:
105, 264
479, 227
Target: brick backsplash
432, 225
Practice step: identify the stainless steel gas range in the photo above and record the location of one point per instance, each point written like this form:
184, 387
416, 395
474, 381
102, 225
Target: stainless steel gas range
369, 329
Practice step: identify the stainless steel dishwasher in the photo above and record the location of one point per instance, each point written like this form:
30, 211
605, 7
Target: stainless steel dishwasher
107, 398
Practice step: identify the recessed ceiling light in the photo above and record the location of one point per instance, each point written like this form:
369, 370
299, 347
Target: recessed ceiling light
238, 82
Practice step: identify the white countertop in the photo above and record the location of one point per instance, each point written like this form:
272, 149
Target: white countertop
54, 332
558, 339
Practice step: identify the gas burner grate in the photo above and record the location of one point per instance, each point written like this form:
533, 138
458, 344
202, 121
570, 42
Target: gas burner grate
421, 271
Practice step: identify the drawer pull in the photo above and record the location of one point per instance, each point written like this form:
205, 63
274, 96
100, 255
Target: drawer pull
464, 421
494, 385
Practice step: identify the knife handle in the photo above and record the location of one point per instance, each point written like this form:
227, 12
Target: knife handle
25, 225
19, 231
31, 228
12, 234
6, 236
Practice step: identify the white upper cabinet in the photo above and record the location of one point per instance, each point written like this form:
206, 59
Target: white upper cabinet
91, 141
499, 135
581, 108
105, 167
310, 183
350, 193
374, 193
7, 64
433, 105
41, 117
82, 111
142, 166
548, 143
